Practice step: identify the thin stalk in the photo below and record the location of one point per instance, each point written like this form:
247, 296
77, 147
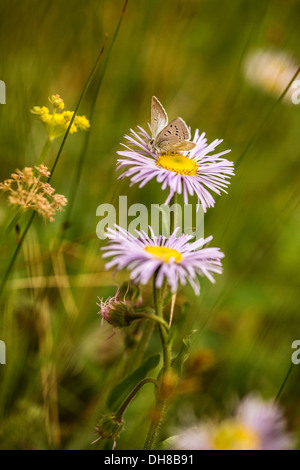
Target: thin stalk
77, 176
127, 401
174, 224
149, 316
284, 382
86, 86
161, 401
158, 295
44, 152
261, 125
13, 222
142, 344
17, 250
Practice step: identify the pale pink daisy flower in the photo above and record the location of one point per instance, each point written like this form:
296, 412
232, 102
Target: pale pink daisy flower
196, 172
174, 258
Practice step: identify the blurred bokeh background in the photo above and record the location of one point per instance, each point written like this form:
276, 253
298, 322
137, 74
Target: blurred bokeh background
190, 54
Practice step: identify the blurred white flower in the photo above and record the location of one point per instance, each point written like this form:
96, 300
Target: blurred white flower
255, 425
272, 71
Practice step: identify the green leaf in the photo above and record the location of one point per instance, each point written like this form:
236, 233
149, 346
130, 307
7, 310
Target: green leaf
120, 392
167, 444
183, 354
178, 326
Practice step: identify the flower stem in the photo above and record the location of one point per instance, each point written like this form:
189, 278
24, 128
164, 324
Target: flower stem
86, 86
265, 119
174, 224
284, 382
16, 252
141, 345
126, 402
77, 176
44, 152
160, 402
13, 222
158, 295
149, 316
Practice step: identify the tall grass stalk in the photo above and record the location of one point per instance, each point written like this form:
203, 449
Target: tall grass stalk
19, 246
77, 176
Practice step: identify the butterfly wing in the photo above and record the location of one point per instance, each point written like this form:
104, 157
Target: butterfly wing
159, 117
184, 146
174, 137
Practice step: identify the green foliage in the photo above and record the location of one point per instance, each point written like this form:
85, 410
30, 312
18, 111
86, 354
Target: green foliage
120, 392
183, 354
61, 369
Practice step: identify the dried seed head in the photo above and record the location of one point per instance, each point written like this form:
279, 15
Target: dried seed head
27, 190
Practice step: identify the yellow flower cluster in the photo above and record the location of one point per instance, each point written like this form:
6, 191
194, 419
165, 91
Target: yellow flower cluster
56, 123
28, 191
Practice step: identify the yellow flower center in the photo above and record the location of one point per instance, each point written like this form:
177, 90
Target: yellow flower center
178, 163
164, 253
234, 436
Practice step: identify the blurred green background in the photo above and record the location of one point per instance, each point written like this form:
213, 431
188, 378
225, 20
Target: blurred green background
60, 366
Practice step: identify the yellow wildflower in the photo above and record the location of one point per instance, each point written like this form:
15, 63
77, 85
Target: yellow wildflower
57, 101
56, 123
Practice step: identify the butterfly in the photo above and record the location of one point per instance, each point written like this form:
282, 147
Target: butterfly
168, 137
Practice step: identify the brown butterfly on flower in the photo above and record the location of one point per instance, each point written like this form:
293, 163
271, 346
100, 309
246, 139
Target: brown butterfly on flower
167, 136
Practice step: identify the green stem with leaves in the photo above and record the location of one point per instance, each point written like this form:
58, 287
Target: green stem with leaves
158, 294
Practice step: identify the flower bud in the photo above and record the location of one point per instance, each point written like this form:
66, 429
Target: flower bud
119, 310
109, 427
117, 313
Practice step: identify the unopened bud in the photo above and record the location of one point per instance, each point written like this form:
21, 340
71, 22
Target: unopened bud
109, 427
119, 310
116, 313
